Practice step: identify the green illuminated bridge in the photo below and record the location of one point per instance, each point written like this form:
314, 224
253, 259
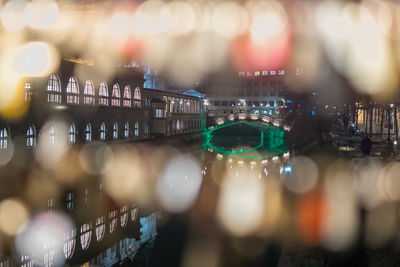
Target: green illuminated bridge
251, 140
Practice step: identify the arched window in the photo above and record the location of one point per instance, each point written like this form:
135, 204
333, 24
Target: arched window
102, 131
103, 94
124, 215
88, 132
86, 235
50, 205
136, 128
73, 91
134, 213
127, 97
112, 217
72, 134
69, 243
126, 130
49, 255
53, 134
53, 89
88, 93
86, 196
5, 262
4, 138
31, 137
26, 261
116, 96
115, 130
69, 201
100, 228
177, 125
28, 92
137, 98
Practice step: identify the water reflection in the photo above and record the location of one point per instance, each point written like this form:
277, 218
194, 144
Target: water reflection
250, 140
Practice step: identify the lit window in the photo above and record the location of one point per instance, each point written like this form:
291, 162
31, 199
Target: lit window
124, 215
272, 72
160, 113
71, 134
5, 262
49, 255
86, 235
69, 199
69, 243
127, 97
26, 261
116, 96
137, 98
134, 213
112, 217
88, 132
28, 92
103, 94
53, 89
146, 128
3, 138
115, 131
31, 137
100, 228
50, 205
136, 128
88, 93
86, 196
103, 131
126, 130
264, 72
73, 91
281, 72
53, 134
256, 73
241, 74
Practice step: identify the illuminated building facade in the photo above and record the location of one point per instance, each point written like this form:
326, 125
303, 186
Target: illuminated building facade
82, 108
258, 92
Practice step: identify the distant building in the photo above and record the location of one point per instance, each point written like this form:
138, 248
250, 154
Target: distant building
257, 92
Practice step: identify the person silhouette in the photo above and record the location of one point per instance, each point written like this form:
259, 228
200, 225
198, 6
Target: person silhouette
366, 145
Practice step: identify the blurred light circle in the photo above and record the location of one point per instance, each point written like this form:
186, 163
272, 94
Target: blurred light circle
183, 18
389, 181
16, 14
96, 158
52, 143
44, 14
151, 17
229, 19
35, 59
366, 182
13, 215
179, 184
241, 204
43, 238
304, 175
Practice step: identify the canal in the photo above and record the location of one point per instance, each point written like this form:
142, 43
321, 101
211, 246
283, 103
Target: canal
239, 160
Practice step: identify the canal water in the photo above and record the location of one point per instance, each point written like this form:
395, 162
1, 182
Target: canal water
224, 225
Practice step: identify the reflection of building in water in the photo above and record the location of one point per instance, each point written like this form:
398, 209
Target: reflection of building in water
81, 107
257, 92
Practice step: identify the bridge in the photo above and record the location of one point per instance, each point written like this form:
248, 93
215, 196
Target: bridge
270, 140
